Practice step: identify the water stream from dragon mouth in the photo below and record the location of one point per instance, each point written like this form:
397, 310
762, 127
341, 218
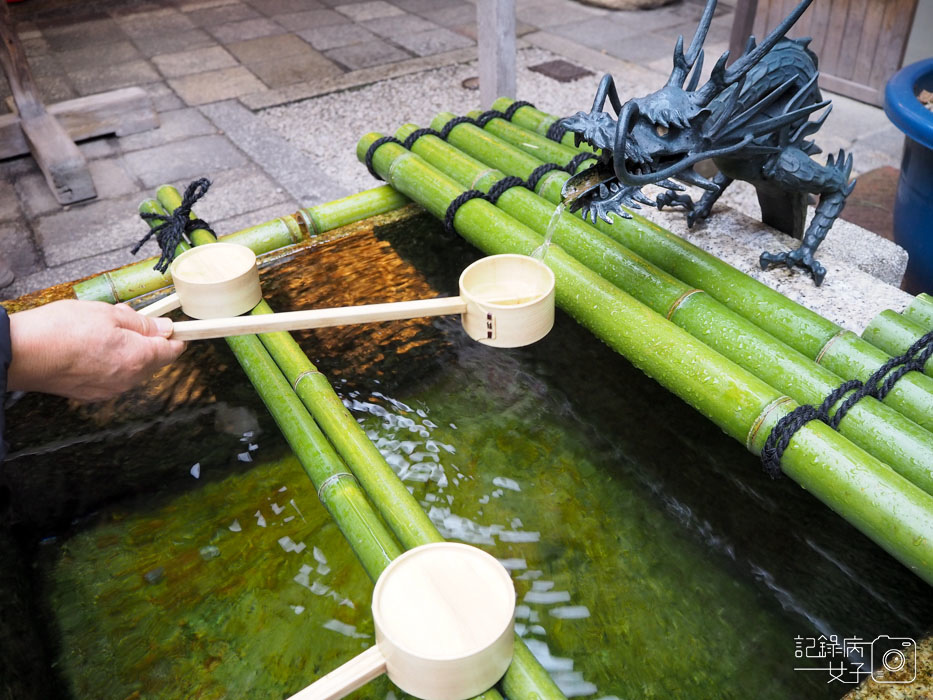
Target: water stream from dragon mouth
539, 252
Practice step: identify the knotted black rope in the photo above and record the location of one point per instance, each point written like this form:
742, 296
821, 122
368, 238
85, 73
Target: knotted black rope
556, 131
878, 385
172, 228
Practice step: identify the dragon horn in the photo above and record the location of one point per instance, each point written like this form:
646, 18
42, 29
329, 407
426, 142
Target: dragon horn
695, 77
683, 63
748, 59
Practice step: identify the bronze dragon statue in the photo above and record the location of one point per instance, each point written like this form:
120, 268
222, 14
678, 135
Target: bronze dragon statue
751, 118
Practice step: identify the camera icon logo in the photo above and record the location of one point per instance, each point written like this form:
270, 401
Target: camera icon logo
893, 655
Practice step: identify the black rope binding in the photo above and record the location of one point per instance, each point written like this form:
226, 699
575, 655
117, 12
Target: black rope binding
172, 228
878, 385
556, 131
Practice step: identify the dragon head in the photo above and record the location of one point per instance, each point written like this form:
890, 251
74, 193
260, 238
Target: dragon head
664, 134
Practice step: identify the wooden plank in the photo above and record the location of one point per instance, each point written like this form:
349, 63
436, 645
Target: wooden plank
495, 23
868, 44
857, 91
743, 22
898, 18
852, 39
60, 161
818, 25
829, 54
120, 112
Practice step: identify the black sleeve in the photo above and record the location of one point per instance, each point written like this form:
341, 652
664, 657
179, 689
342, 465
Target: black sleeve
6, 353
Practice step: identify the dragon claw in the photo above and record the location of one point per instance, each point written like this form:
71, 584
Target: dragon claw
800, 257
672, 198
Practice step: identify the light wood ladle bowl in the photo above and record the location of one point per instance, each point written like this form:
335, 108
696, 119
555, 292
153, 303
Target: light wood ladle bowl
505, 300
444, 615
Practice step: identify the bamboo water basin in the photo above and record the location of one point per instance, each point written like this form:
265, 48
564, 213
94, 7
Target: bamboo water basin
173, 545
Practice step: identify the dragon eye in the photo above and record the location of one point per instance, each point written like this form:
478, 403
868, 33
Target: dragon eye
661, 130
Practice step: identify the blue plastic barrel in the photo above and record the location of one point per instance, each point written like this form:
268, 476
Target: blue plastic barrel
913, 206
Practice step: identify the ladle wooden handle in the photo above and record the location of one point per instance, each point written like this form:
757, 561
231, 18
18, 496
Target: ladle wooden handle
162, 306
316, 318
343, 680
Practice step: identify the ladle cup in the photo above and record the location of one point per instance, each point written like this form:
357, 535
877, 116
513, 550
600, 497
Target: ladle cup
444, 615
505, 300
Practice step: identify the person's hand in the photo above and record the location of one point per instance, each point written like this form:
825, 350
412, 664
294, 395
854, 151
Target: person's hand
86, 350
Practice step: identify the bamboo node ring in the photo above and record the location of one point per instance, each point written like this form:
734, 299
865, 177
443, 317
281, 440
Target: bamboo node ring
331, 480
829, 343
680, 300
306, 373
763, 416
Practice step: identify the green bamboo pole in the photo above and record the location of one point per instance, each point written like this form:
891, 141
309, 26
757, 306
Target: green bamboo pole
876, 428
525, 677
920, 311
894, 334
881, 503
840, 351
341, 495
535, 120
140, 278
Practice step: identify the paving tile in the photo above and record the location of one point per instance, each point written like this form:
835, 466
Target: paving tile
365, 55
289, 70
46, 65
597, 33
9, 202
247, 29
300, 174
160, 22
424, 7
360, 12
200, 156
111, 178
175, 65
176, 125
310, 19
284, 7
35, 47
268, 47
550, 14
398, 25
195, 5
92, 56
238, 191
156, 45
131, 9
102, 147
55, 88
434, 41
642, 48
83, 34
34, 194
451, 16
163, 97
221, 14
101, 78
718, 33
67, 235
323, 38
212, 86
18, 250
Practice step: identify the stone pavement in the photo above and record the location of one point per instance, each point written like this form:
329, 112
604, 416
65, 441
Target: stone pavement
213, 66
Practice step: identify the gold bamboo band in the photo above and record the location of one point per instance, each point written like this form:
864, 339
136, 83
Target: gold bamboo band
763, 416
680, 300
488, 171
306, 373
331, 480
829, 344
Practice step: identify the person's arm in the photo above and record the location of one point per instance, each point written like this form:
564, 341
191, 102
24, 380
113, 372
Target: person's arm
86, 350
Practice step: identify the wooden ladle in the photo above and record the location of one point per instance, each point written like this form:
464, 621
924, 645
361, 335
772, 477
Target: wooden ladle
444, 615
505, 300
